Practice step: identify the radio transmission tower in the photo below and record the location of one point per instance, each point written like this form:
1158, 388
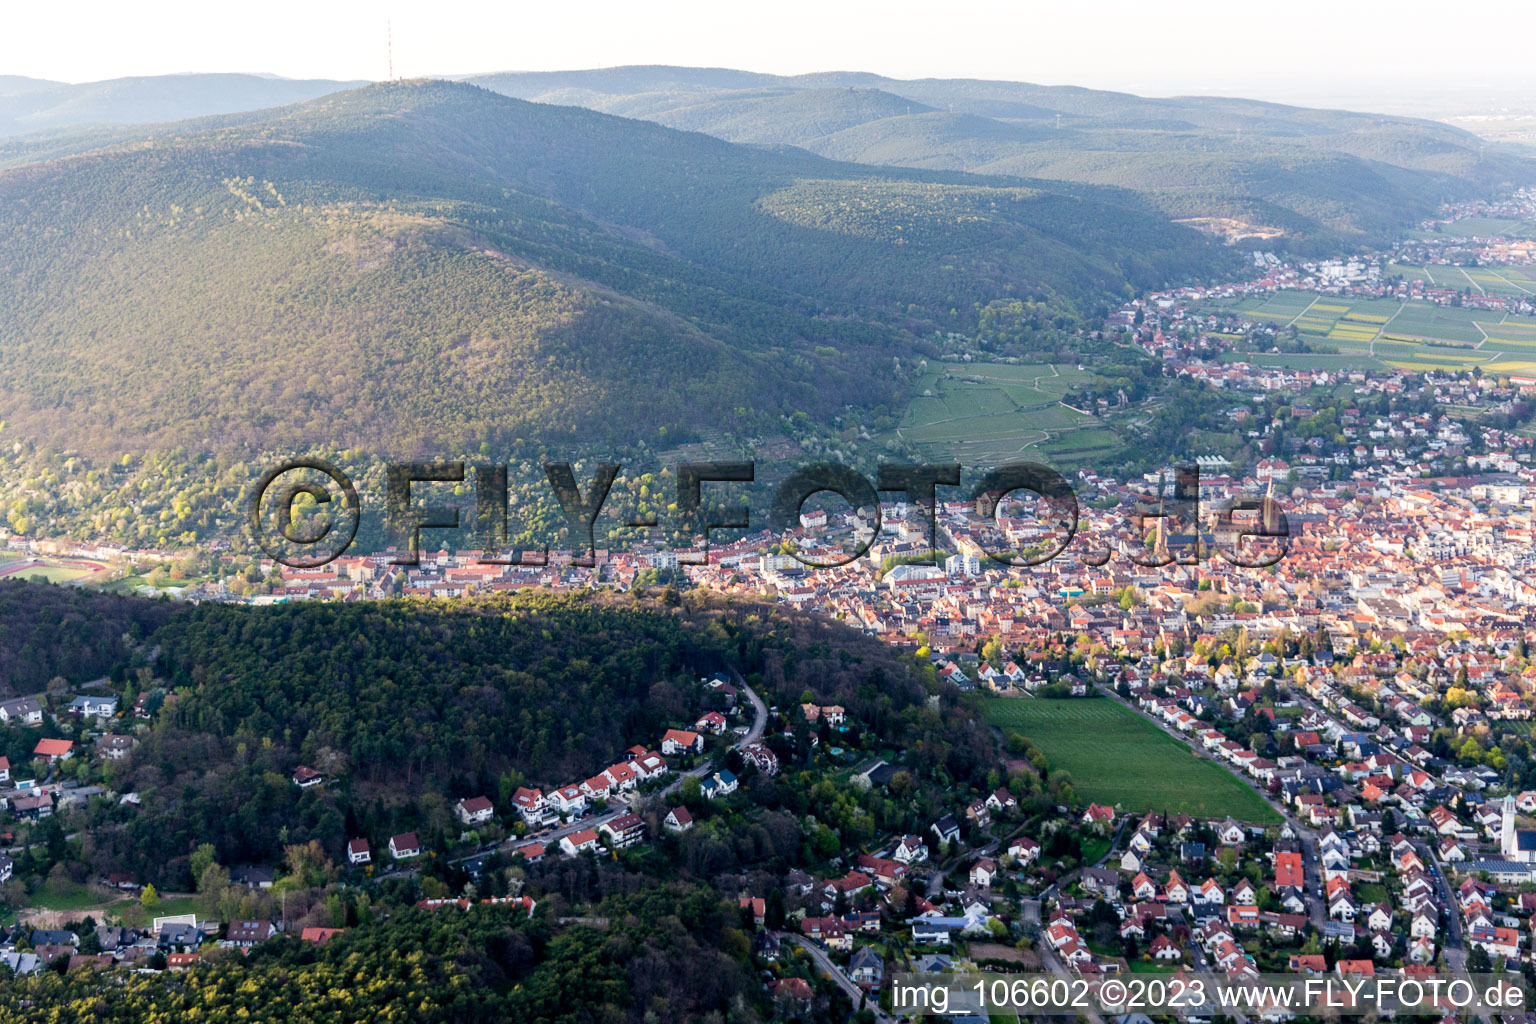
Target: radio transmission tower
389, 47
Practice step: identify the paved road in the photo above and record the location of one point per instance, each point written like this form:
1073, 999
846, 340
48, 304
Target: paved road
1206, 971
759, 713
1317, 910
824, 962
1453, 945
1053, 963
1114, 843
1048, 956
1312, 873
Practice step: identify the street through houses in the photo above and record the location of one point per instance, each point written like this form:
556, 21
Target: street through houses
551, 837
1317, 909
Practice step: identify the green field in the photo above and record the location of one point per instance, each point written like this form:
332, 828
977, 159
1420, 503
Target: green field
1493, 280
1117, 757
1348, 333
69, 896
52, 574
1487, 227
987, 413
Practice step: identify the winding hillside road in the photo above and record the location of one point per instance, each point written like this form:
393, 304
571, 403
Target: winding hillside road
552, 837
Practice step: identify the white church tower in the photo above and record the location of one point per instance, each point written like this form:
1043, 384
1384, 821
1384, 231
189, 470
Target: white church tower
1516, 844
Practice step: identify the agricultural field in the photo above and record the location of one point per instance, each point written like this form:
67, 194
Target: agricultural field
1487, 227
1514, 281
982, 414
1117, 757
1354, 333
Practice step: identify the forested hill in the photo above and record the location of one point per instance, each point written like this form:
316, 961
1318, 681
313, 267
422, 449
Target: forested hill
432, 265
1324, 175
70, 633
409, 705
668, 952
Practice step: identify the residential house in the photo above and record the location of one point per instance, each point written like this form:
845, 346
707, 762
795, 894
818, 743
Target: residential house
475, 810
529, 804
93, 706
53, 751
681, 741
866, 969
712, 722
114, 747
582, 841
305, 777
319, 936
25, 711
946, 829
245, 934
567, 800
624, 831
1024, 850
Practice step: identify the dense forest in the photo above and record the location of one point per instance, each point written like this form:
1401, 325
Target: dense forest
416, 693
1319, 177
64, 632
410, 705
664, 953
428, 265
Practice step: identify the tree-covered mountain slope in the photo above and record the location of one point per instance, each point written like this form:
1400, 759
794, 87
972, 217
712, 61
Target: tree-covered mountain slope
1312, 174
431, 265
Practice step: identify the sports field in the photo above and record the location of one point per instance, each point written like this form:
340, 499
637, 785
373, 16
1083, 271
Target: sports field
49, 572
1374, 333
1117, 757
986, 413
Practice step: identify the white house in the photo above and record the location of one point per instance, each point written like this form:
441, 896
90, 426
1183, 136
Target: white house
25, 711
475, 810
579, 842
681, 741
911, 850
1024, 850
568, 800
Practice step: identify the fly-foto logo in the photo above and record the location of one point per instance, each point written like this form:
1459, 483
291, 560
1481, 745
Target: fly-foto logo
271, 511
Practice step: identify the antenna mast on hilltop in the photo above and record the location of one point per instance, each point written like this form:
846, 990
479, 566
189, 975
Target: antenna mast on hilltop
389, 45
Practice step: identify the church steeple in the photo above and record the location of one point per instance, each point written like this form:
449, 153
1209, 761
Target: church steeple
1507, 844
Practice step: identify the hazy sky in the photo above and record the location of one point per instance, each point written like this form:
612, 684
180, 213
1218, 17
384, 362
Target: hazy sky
1304, 49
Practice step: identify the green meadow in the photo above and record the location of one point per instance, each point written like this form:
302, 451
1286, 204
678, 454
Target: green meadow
1115, 756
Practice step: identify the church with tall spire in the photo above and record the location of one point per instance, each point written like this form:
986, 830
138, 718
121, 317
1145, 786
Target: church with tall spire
1516, 844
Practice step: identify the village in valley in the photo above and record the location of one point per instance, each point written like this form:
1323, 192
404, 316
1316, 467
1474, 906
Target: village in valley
1325, 696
